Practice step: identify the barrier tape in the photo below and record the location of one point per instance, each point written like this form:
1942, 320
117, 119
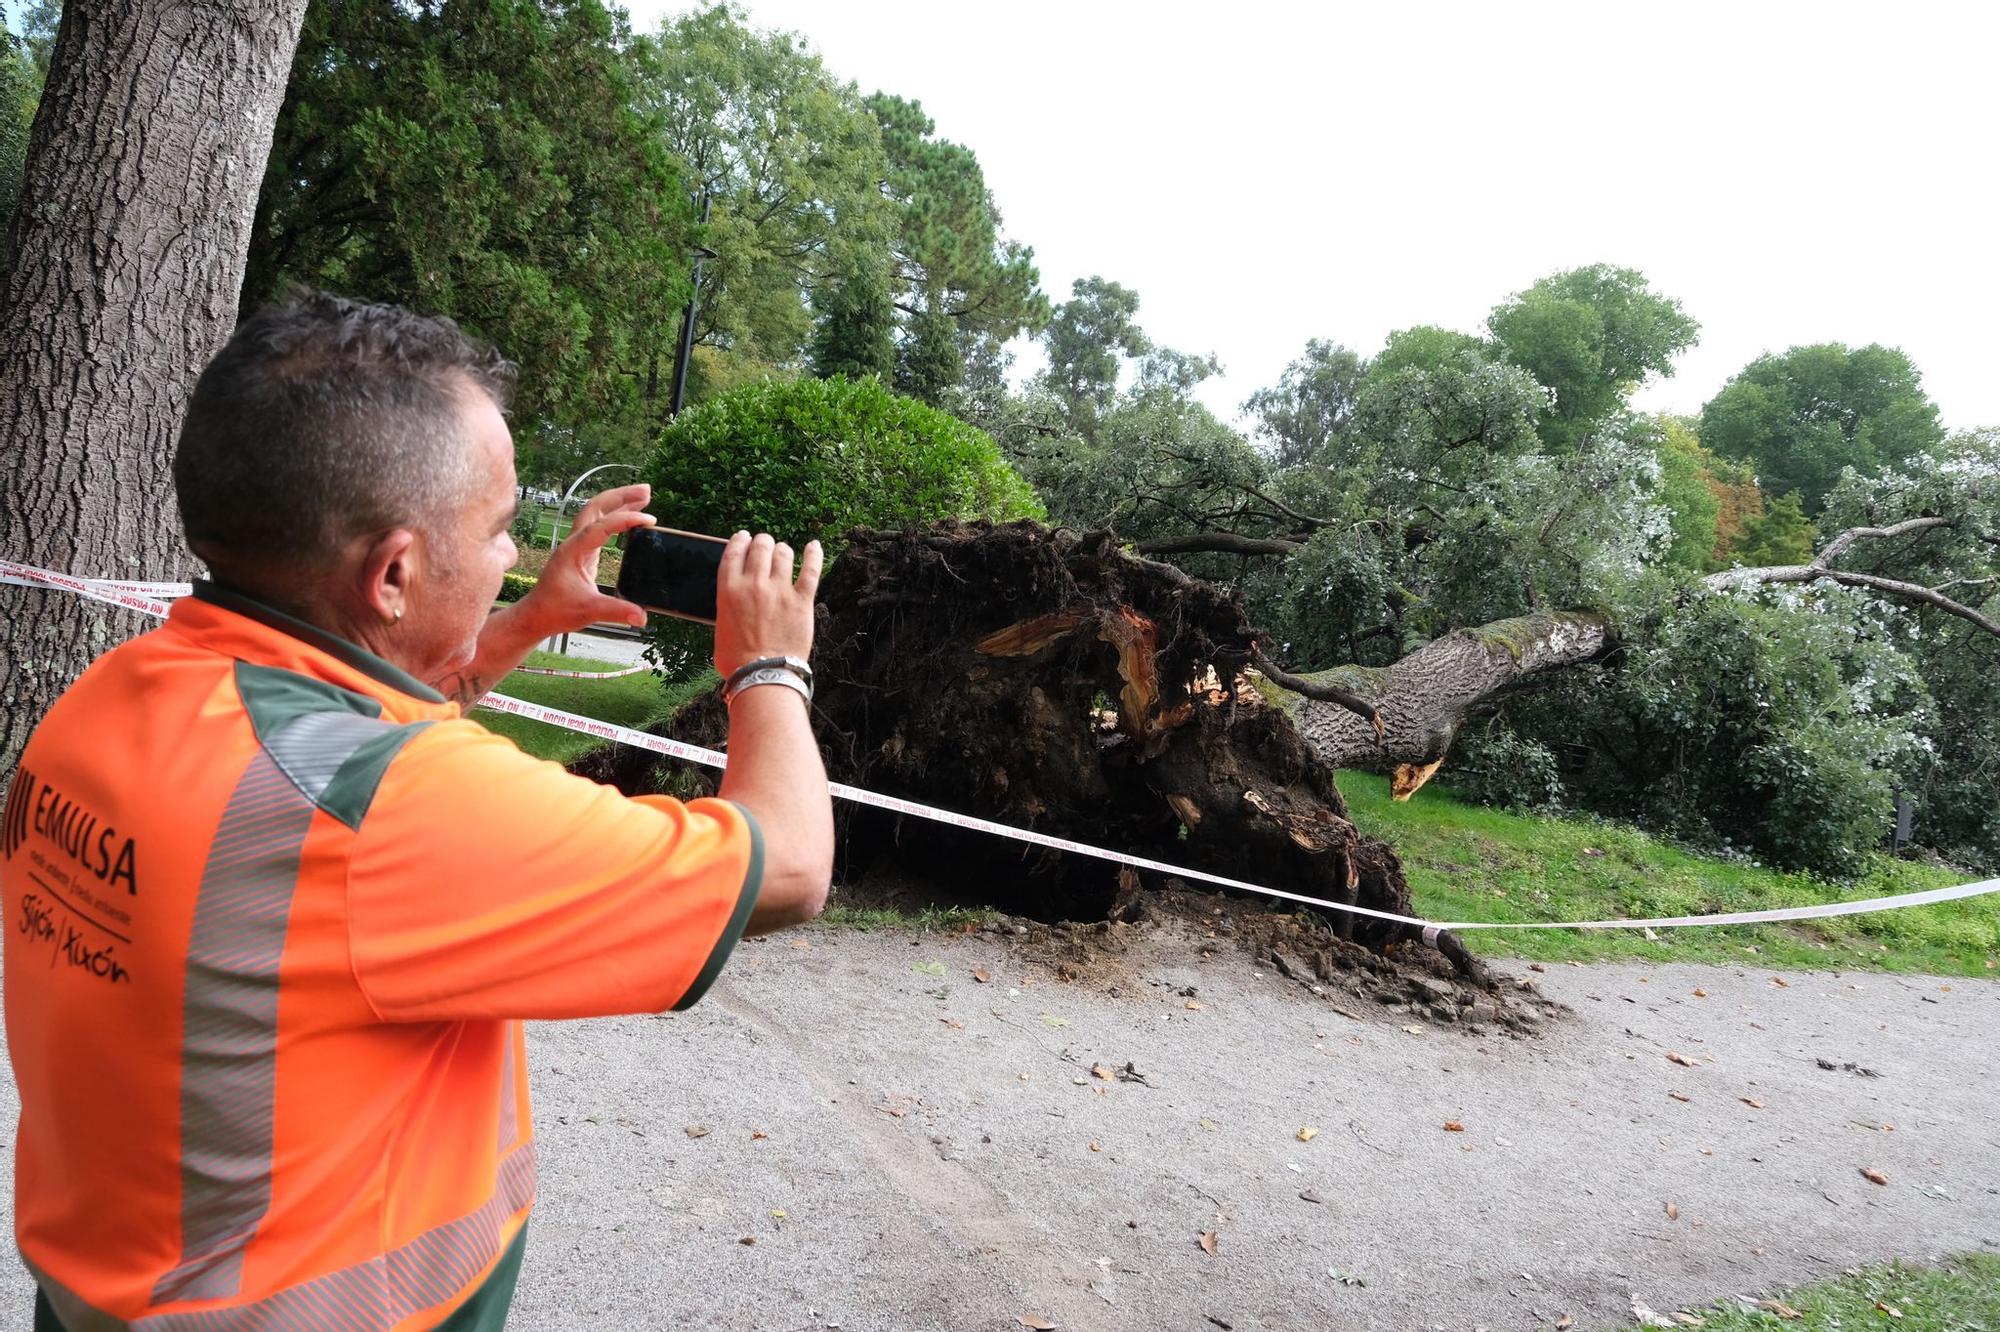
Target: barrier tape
103, 590
581, 675
1430, 929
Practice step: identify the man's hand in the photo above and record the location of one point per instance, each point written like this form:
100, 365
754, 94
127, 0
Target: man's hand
565, 598
760, 609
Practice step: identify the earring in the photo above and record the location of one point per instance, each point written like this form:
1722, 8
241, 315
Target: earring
397, 618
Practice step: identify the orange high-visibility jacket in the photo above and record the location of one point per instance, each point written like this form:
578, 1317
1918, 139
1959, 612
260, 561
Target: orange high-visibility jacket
274, 912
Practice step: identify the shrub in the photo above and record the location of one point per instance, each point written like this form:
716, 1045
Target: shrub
514, 586
1780, 724
812, 458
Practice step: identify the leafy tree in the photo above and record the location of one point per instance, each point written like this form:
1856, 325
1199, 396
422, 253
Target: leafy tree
484, 160
39, 21
1299, 417
1781, 534
856, 335
1591, 336
951, 259
931, 364
1088, 339
1684, 489
1801, 417
20, 89
792, 161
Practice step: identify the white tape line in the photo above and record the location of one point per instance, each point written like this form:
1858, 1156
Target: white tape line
1430, 929
581, 675
102, 591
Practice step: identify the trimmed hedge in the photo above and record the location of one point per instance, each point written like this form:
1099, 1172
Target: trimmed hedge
811, 458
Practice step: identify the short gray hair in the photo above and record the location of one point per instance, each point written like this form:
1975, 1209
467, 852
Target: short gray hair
324, 419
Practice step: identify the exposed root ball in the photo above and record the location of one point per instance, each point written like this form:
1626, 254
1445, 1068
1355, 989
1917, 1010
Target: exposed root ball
1047, 679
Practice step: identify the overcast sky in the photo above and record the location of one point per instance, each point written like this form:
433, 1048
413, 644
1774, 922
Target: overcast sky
1263, 173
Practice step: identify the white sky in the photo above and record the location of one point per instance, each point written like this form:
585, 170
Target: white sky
1262, 173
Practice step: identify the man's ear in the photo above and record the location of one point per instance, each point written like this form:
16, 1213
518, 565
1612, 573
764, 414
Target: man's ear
388, 573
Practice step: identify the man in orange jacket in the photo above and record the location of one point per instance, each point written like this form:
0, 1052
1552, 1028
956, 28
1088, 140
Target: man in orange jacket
276, 909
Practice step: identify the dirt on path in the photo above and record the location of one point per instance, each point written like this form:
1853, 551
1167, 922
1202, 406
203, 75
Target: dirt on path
912, 1148
855, 1131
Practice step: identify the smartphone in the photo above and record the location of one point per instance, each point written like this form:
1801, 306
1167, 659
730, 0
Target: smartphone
671, 572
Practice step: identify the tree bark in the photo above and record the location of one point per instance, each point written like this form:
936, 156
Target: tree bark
128, 254
1423, 699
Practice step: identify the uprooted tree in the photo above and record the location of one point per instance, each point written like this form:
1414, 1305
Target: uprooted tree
1051, 680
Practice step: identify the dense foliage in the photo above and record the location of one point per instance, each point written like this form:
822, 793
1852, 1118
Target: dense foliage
1801, 417
810, 459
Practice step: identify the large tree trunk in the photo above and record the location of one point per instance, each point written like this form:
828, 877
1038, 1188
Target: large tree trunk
1423, 699
128, 253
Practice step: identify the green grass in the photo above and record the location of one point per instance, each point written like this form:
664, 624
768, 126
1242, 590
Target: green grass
1466, 862
1961, 1296
941, 919
631, 700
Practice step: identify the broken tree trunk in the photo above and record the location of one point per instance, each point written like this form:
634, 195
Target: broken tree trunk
1048, 680
1423, 699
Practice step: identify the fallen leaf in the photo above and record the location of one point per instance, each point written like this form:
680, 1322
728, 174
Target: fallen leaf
1689, 1320
1192, 1006
1345, 1277
1024, 1077
1873, 1176
1308, 1195
928, 968
1095, 1148
1052, 1021
1780, 1308
953, 1023
1308, 1133
1208, 1123
758, 1135
1673, 1211
1207, 1240
747, 1239
697, 1130
1781, 982
1565, 1322
1677, 1057
780, 1214
982, 975
1759, 1252
1700, 993
1453, 1126
1036, 1321
1100, 1071
1679, 1096
1752, 1102
1889, 1309
1414, 1030
1536, 966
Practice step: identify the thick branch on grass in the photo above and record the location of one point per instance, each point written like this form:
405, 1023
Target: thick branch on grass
1425, 698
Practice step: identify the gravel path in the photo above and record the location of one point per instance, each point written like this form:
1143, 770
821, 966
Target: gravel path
910, 1148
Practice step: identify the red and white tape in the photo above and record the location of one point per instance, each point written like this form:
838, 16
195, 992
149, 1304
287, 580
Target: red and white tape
105, 590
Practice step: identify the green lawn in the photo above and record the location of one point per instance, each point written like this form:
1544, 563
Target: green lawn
630, 700
1465, 862
1961, 1296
